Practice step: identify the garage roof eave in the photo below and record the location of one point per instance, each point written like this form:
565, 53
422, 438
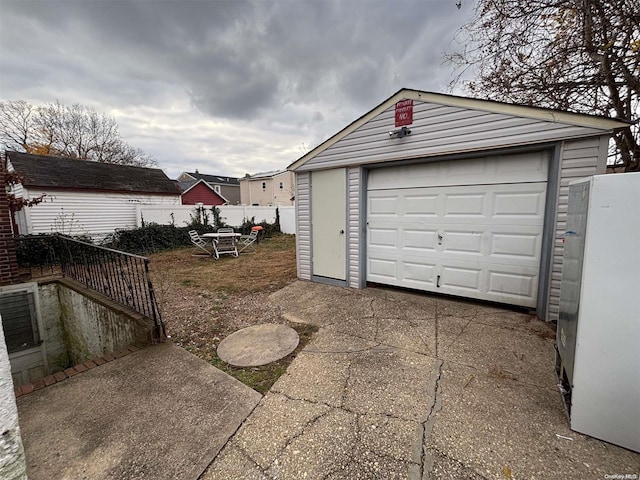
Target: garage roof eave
607, 125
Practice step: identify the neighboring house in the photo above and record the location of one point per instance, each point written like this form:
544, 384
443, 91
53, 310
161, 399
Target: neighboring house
267, 188
199, 191
83, 197
447, 194
227, 187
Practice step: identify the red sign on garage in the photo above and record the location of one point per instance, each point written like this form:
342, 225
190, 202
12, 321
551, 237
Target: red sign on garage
404, 113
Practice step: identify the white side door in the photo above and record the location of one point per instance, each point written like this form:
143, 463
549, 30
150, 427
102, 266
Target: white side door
328, 223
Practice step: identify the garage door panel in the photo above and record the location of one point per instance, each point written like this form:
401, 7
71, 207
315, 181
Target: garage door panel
465, 204
496, 282
422, 240
383, 270
493, 245
515, 284
480, 241
520, 204
383, 237
421, 205
402, 272
512, 204
416, 272
460, 278
462, 242
516, 168
383, 205
522, 245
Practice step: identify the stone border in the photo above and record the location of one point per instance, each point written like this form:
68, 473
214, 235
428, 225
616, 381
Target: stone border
71, 371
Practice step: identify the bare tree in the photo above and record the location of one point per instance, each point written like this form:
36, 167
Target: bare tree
17, 125
580, 55
76, 131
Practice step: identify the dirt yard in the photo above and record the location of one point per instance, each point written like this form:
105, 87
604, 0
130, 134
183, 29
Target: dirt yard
203, 300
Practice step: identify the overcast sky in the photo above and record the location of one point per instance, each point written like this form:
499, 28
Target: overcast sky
227, 87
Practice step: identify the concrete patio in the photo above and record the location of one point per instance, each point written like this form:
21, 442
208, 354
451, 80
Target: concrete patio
393, 385
158, 413
404, 385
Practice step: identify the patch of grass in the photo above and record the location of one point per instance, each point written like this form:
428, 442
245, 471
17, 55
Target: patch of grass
263, 377
199, 299
271, 267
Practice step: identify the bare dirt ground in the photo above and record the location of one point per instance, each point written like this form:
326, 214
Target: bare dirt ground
203, 300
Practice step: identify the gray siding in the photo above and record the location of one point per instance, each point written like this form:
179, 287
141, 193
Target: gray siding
231, 193
579, 159
354, 181
439, 130
303, 225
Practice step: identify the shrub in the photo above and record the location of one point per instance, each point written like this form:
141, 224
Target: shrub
41, 250
36, 250
268, 229
150, 238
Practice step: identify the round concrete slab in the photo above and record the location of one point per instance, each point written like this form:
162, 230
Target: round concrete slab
258, 345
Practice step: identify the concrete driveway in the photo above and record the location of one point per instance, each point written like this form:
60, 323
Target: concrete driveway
403, 385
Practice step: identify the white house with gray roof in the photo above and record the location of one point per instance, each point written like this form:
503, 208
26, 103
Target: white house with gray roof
85, 198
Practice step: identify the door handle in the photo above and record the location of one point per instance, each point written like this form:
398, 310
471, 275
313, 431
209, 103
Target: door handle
438, 281
439, 239
341, 232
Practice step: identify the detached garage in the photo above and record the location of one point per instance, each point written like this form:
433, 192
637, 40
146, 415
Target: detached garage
447, 194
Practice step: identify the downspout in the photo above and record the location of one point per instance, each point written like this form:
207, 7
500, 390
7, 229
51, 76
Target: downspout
273, 191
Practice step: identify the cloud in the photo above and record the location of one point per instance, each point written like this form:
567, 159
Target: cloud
227, 87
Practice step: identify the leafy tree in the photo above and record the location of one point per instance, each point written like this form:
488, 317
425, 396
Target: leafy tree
580, 55
76, 131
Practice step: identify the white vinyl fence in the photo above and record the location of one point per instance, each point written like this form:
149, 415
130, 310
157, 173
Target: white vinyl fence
233, 215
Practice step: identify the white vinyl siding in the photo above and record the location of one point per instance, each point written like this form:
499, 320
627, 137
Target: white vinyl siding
439, 130
94, 213
303, 226
579, 159
354, 180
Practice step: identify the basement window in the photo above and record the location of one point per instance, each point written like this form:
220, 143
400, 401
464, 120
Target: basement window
19, 316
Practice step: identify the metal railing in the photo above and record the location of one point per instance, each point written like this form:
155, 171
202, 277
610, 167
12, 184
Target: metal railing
121, 276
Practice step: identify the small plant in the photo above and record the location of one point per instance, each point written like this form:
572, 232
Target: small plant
218, 221
67, 224
276, 224
197, 222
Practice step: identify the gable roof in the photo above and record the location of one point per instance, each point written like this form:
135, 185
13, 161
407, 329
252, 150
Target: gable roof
492, 106
214, 179
186, 186
261, 175
71, 173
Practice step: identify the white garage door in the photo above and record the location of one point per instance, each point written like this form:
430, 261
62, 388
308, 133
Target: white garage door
471, 228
